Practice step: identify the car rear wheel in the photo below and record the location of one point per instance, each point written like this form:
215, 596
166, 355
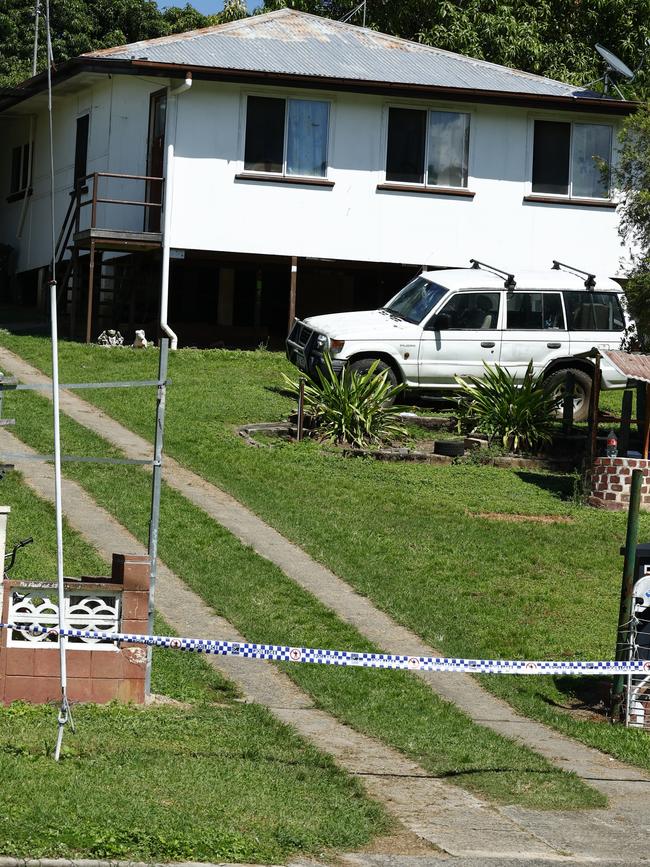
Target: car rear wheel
556, 384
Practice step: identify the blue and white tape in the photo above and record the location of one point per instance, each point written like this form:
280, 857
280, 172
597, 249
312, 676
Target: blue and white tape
318, 656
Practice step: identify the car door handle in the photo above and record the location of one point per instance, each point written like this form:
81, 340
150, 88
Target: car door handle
487, 344
554, 345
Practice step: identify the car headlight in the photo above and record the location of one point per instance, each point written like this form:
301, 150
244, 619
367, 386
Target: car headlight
322, 342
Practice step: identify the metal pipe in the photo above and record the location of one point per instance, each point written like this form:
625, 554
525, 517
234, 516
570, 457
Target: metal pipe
301, 409
168, 173
156, 485
627, 586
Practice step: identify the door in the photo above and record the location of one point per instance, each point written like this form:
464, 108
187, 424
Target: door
535, 330
460, 338
155, 158
595, 319
81, 149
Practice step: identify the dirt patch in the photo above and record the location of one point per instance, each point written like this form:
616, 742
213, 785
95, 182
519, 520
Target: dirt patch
520, 519
402, 842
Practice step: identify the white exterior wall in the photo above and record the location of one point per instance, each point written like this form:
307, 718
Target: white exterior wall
117, 142
212, 211
351, 221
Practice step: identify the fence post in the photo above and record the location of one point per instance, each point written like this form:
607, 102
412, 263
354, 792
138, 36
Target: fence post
627, 585
626, 420
301, 408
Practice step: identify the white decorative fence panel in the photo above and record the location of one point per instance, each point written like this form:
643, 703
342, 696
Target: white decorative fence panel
84, 609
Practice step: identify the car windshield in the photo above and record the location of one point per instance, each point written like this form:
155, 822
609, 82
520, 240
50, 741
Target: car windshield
416, 300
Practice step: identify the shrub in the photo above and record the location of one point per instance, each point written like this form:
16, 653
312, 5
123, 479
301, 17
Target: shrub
354, 408
519, 414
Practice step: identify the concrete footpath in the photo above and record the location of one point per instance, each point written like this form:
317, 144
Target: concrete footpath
456, 822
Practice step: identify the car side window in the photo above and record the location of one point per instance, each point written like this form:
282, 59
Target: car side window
594, 311
537, 311
473, 311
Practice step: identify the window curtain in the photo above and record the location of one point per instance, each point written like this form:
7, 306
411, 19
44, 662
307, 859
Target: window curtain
448, 149
307, 138
592, 144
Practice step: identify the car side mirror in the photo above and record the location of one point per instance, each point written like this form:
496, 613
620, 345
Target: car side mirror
439, 322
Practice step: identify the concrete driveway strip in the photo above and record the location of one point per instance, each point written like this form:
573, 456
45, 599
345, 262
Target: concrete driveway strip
613, 778
451, 819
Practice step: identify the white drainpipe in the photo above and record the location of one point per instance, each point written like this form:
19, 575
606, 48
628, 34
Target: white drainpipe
168, 203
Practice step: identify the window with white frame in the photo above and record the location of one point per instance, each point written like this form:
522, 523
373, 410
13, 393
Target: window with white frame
286, 136
571, 159
427, 147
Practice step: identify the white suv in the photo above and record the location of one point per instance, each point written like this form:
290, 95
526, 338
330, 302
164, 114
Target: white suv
450, 323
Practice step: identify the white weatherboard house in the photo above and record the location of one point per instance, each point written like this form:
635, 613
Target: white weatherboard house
288, 164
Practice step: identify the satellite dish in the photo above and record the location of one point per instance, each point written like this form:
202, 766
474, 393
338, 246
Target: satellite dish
614, 63
615, 67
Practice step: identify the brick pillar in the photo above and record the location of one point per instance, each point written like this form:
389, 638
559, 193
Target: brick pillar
133, 572
610, 482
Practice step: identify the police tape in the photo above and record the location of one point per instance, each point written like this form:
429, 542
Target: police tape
318, 656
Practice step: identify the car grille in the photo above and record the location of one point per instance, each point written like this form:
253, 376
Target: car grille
300, 334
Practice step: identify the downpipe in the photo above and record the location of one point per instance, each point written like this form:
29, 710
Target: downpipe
172, 116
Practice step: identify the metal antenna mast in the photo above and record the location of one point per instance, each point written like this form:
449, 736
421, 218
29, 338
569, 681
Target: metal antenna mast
37, 14
64, 711
349, 15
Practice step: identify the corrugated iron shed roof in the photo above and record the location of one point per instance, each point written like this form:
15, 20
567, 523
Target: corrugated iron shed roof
289, 42
634, 365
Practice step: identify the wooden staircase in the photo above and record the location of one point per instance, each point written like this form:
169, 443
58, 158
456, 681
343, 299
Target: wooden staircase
87, 280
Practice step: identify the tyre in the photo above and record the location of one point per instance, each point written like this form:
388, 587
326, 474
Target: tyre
363, 365
451, 448
556, 384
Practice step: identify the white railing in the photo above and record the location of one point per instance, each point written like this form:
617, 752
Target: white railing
84, 609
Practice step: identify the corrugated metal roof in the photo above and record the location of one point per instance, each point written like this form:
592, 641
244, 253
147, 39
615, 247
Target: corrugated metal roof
295, 43
634, 365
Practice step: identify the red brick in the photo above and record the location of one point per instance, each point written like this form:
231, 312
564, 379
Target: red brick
47, 662
80, 688
616, 487
625, 471
610, 496
105, 663
134, 627
134, 661
37, 690
131, 690
20, 661
104, 689
132, 570
135, 605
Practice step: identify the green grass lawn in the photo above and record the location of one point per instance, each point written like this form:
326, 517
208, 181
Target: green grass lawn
207, 778
414, 538
267, 607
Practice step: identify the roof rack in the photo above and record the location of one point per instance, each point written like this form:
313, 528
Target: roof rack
590, 281
509, 283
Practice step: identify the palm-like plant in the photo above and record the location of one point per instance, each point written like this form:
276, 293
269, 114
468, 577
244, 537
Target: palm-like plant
353, 408
518, 413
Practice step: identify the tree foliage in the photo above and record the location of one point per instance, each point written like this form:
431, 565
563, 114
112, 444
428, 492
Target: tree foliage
554, 38
78, 26
632, 177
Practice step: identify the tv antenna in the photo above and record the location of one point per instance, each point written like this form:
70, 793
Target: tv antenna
354, 11
615, 68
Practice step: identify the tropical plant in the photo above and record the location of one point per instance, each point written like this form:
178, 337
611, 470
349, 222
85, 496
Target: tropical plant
517, 413
354, 408
632, 178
